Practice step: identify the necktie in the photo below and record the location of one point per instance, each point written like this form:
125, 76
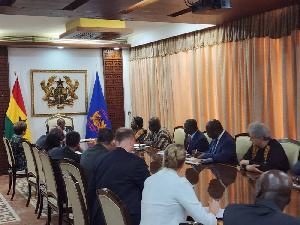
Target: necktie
188, 145
213, 147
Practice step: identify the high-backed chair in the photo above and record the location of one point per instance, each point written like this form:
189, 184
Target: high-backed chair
54, 199
32, 173
77, 199
52, 121
179, 135
12, 169
243, 143
42, 191
77, 171
291, 148
113, 209
207, 137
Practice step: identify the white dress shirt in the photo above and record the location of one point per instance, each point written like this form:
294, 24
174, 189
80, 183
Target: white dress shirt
167, 198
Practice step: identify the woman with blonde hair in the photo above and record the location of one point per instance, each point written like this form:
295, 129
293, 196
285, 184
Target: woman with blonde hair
167, 197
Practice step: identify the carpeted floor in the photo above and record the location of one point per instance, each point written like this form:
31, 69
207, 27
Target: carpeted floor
7, 213
15, 212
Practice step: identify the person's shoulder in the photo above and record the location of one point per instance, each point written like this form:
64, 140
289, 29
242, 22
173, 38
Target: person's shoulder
275, 143
54, 150
164, 130
227, 138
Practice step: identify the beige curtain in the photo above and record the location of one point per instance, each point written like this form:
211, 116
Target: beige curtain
255, 79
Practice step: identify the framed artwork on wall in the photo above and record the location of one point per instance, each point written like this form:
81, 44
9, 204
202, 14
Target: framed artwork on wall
58, 92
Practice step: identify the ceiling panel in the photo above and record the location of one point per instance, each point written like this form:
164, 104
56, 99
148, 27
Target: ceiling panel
156, 12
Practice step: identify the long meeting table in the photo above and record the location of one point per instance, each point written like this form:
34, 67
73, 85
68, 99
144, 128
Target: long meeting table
219, 181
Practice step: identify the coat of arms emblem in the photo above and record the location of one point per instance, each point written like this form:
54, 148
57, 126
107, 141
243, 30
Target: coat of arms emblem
60, 95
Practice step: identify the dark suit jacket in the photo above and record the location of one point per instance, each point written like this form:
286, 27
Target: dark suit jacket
225, 151
124, 174
198, 142
261, 213
89, 157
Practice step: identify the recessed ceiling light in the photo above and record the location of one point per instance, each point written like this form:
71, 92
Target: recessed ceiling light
116, 48
60, 47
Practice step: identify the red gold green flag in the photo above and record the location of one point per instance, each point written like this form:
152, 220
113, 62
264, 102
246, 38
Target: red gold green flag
16, 112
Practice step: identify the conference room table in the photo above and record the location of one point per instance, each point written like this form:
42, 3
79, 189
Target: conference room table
219, 181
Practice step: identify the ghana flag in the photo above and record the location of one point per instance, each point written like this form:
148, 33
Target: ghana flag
16, 112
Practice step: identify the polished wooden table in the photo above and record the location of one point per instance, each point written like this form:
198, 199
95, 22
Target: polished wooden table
219, 181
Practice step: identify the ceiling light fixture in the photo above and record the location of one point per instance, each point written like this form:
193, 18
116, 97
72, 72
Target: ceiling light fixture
116, 48
60, 47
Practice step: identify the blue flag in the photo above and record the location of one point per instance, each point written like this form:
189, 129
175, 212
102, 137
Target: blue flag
97, 117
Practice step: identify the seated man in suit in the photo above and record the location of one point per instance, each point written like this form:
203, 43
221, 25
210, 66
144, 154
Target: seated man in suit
68, 151
196, 141
158, 137
62, 123
105, 142
265, 153
272, 193
123, 173
222, 147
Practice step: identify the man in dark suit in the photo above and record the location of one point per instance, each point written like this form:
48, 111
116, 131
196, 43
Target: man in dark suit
123, 173
196, 141
105, 142
222, 147
272, 193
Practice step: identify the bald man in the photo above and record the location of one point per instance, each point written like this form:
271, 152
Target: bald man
272, 193
158, 137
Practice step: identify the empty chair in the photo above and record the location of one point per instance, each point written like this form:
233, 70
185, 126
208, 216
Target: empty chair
42, 192
76, 198
113, 209
207, 137
32, 174
55, 201
179, 135
243, 143
77, 171
12, 169
291, 148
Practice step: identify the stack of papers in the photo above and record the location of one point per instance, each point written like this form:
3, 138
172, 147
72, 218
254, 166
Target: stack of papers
88, 140
192, 161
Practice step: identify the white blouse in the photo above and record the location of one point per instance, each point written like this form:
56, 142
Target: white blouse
167, 198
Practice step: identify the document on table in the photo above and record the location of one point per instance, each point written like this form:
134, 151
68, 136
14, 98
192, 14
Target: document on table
192, 161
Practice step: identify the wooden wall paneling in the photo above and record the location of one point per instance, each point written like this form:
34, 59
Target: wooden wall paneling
4, 101
114, 92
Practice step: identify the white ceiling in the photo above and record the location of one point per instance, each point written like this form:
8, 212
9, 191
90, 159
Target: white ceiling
17, 25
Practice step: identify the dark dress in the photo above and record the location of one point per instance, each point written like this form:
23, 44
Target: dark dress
18, 151
271, 157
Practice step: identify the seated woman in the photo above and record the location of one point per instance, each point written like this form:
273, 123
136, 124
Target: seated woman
17, 147
53, 140
137, 127
167, 197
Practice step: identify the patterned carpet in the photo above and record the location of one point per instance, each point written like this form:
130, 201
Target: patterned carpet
22, 187
7, 214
